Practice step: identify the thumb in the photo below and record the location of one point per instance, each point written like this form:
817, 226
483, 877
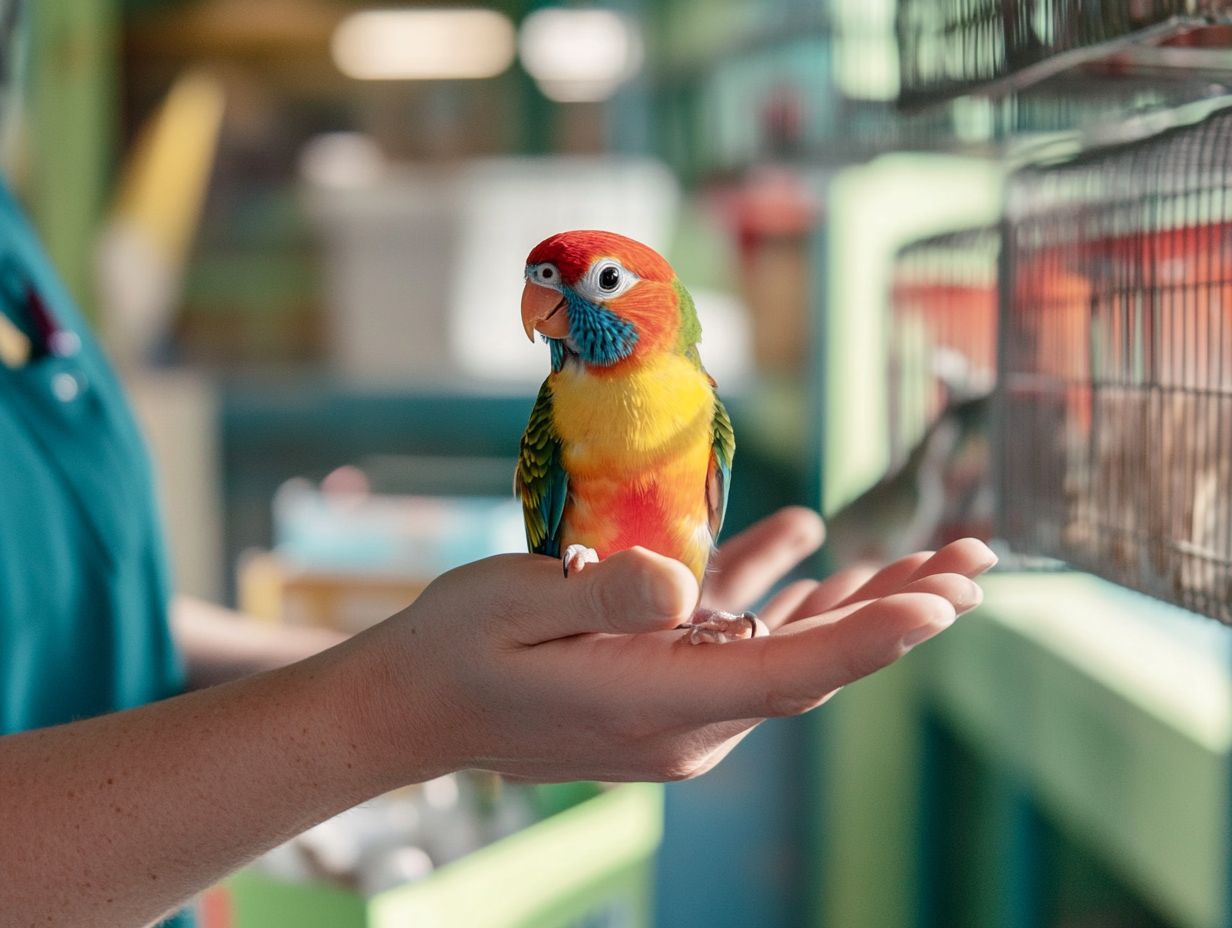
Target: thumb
631, 591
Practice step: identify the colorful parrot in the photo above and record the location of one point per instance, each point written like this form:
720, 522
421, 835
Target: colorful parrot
627, 442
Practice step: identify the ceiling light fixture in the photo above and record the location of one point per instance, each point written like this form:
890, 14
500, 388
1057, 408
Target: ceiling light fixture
424, 44
579, 55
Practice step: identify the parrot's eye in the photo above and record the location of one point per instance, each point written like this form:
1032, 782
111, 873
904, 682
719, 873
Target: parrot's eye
606, 279
609, 278
544, 274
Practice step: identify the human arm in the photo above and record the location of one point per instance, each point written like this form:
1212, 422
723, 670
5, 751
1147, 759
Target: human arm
219, 644
116, 820
503, 665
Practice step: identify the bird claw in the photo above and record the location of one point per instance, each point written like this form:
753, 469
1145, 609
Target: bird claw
577, 557
710, 626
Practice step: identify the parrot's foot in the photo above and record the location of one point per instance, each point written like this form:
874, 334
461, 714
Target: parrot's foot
710, 626
578, 556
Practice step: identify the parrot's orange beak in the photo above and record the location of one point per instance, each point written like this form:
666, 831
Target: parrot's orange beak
544, 309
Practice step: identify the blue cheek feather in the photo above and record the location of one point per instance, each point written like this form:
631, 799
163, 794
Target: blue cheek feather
557, 347
598, 336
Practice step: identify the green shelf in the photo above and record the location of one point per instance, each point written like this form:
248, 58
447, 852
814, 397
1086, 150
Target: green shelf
1108, 712
1116, 713
591, 864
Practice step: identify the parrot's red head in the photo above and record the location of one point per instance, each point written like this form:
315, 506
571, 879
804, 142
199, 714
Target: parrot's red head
605, 300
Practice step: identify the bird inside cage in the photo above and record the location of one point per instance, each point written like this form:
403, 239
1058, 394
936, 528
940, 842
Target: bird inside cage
940, 492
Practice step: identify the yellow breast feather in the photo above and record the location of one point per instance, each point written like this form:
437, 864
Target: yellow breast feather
611, 425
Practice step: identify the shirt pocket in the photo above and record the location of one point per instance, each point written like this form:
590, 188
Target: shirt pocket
74, 415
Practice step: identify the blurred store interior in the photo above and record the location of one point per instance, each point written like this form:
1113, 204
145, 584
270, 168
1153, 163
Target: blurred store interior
949, 285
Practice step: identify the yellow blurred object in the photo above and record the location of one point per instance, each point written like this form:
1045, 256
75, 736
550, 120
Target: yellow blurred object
14, 346
144, 245
273, 590
164, 184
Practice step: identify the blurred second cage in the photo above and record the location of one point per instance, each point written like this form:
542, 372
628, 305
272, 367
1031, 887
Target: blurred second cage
1116, 364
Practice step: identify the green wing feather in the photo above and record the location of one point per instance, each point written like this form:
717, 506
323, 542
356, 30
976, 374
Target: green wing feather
540, 480
718, 479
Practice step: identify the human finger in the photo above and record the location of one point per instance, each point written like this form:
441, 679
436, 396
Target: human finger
963, 593
748, 564
967, 556
824, 596
631, 591
888, 579
787, 674
786, 602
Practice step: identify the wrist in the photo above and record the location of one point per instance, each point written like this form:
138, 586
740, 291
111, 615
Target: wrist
389, 710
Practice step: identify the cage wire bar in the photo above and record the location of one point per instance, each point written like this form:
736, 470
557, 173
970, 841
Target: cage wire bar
952, 47
942, 337
1116, 364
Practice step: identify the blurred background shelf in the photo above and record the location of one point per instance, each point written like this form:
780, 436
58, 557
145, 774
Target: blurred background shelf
438, 441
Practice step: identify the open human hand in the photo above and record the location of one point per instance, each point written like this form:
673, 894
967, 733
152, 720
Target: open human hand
751, 563
505, 665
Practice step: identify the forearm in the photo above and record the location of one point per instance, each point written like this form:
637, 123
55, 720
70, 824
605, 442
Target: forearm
116, 820
220, 645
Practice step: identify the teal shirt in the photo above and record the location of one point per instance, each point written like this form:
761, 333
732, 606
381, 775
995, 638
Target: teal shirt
83, 575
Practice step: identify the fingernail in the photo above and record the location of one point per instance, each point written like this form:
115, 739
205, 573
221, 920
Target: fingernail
924, 632
811, 537
970, 596
990, 560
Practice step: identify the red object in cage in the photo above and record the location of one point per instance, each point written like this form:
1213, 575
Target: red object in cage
957, 318
943, 329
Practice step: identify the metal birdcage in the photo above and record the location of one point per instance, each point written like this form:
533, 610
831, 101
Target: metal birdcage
1116, 364
951, 47
943, 329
